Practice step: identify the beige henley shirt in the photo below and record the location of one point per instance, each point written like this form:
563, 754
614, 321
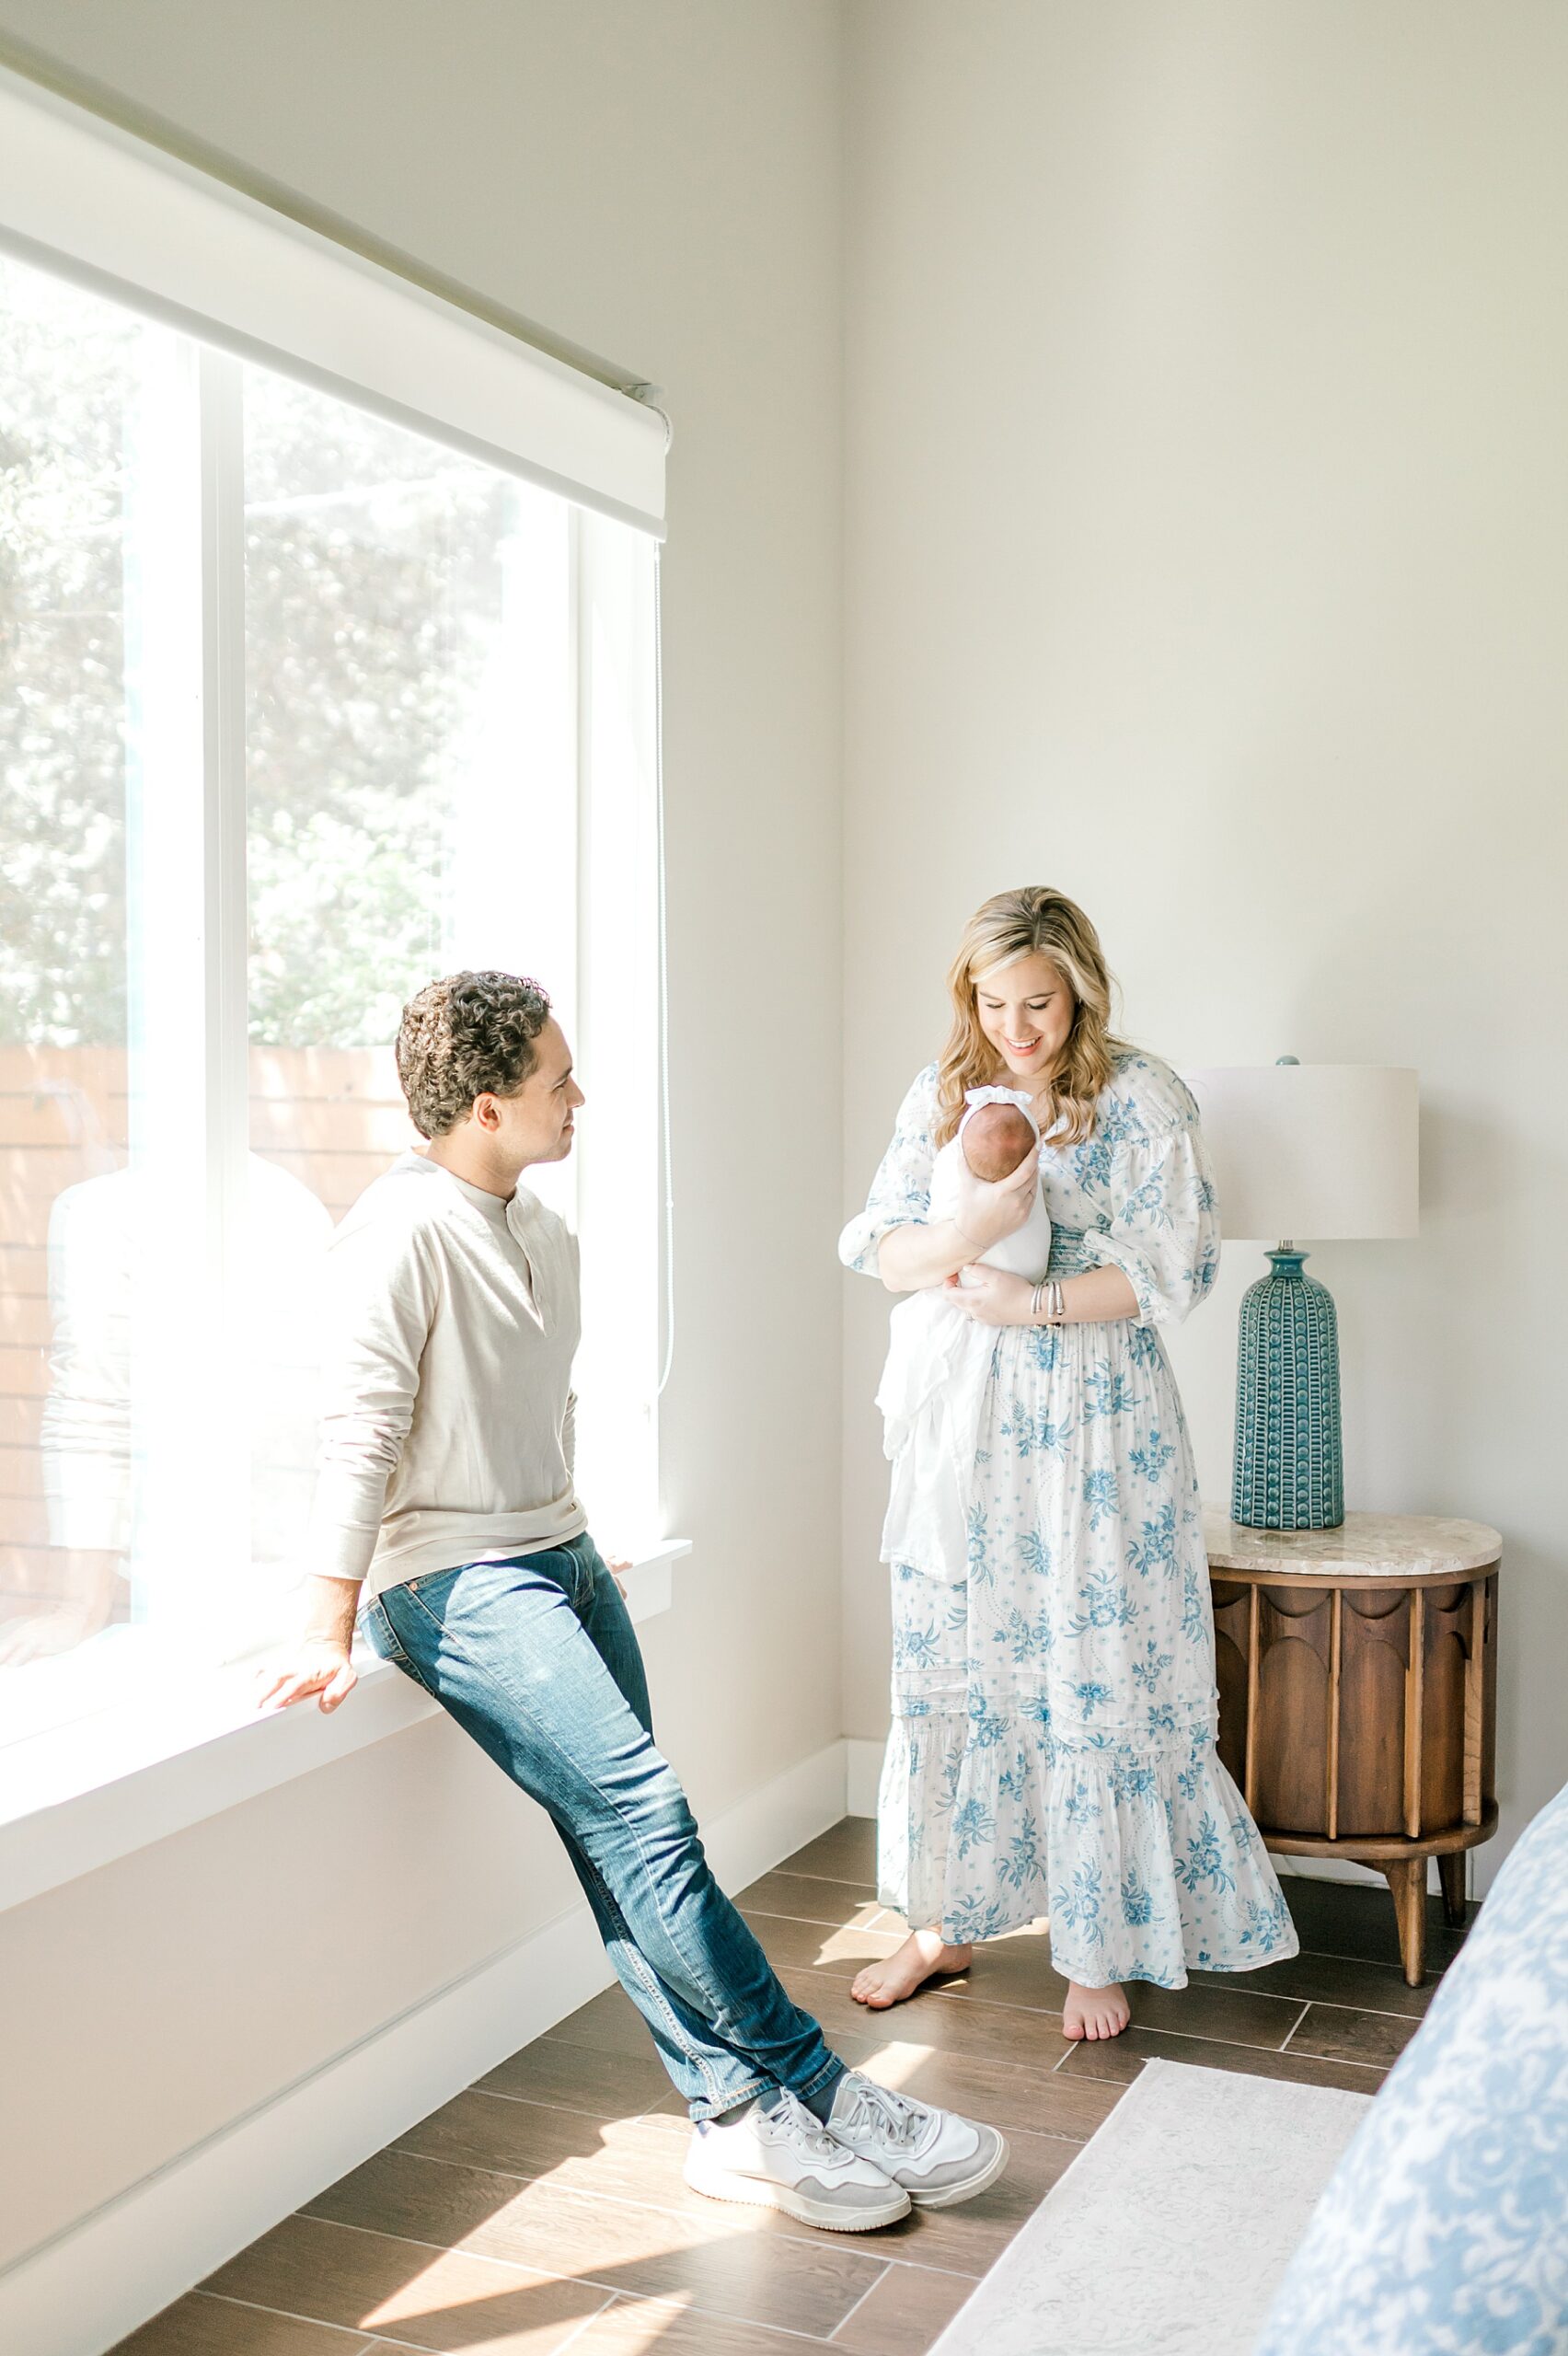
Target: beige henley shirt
447, 1433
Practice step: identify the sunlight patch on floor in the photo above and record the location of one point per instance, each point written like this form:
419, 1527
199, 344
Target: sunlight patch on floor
894, 2064
483, 2305
857, 1945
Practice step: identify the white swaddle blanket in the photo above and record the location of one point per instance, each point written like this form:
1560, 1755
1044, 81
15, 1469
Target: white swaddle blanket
933, 1384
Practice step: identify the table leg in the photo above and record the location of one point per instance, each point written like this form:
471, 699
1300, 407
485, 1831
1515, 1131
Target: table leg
1451, 1872
1407, 1879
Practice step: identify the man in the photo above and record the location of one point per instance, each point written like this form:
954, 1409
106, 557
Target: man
447, 1484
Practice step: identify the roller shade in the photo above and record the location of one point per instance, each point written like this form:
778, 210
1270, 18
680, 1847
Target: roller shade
81, 197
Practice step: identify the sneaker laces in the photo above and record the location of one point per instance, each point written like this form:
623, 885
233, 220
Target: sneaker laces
805, 2128
899, 2121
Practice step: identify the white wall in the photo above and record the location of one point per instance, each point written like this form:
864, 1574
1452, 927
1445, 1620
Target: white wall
1207, 498
660, 185
1205, 493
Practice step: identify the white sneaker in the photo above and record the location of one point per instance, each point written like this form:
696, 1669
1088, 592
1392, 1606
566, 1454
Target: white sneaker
937, 2157
784, 2158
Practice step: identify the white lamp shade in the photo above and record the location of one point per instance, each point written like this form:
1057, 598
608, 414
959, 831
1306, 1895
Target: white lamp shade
1312, 1152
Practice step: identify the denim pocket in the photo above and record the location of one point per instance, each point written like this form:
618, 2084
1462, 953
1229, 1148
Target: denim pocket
591, 1570
377, 1630
383, 1641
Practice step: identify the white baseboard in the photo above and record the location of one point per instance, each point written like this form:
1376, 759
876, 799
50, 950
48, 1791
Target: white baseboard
85, 2288
864, 1766
753, 1837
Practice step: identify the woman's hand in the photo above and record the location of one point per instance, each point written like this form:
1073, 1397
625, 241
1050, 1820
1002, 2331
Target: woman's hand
990, 1211
992, 1296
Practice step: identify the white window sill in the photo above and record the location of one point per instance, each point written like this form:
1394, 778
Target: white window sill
80, 1795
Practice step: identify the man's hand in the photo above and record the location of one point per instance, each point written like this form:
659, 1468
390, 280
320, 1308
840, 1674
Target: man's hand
84, 1580
987, 1212
318, 1664
57, 1628
992, 1296
318, 1661
617, 1568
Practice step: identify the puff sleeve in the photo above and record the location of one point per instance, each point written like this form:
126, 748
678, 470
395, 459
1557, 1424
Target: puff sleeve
901, 1191
1163, 1230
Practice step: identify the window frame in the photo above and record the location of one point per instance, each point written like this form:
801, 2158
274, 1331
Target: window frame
93, 1789
198, 485
141, 225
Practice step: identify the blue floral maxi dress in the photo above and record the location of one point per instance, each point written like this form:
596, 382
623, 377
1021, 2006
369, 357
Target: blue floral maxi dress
1053, 1698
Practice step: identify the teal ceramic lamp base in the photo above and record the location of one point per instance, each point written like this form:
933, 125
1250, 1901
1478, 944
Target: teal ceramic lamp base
1289, 1469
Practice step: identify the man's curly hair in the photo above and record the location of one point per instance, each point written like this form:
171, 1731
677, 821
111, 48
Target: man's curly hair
466, 1035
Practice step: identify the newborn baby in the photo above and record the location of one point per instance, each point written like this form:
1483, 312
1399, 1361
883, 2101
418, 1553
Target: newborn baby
938, 1360
994, 1136
995, 1139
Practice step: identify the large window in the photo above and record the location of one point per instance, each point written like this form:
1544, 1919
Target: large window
298, 708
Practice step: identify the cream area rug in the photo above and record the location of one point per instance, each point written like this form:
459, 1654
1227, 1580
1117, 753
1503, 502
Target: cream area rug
1170, 2230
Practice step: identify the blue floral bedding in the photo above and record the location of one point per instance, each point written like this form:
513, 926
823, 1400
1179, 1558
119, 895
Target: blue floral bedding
1444, 2231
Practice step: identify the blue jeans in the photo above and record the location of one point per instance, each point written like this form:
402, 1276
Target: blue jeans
537, 1660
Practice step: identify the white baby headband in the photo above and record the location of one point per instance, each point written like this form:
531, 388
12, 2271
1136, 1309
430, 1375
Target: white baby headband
976, 1097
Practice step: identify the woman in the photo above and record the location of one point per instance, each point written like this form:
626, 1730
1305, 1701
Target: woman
1052, 1744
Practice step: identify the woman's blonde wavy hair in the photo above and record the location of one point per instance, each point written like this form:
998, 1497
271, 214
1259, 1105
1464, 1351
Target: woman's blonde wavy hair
1010, 926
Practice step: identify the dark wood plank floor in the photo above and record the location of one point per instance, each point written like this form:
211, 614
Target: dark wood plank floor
544, 2207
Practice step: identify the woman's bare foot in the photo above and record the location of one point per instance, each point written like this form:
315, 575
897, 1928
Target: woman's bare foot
922, 1954
1094, 2012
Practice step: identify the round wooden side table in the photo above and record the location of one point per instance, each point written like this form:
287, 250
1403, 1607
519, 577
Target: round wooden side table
1357, 1673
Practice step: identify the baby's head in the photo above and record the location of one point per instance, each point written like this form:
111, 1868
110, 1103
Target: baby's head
996, 1138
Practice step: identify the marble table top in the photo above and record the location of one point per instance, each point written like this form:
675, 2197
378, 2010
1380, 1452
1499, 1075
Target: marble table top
1375, 1545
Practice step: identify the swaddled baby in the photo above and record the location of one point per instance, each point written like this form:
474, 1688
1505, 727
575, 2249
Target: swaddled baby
996, 1135
938, 1359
